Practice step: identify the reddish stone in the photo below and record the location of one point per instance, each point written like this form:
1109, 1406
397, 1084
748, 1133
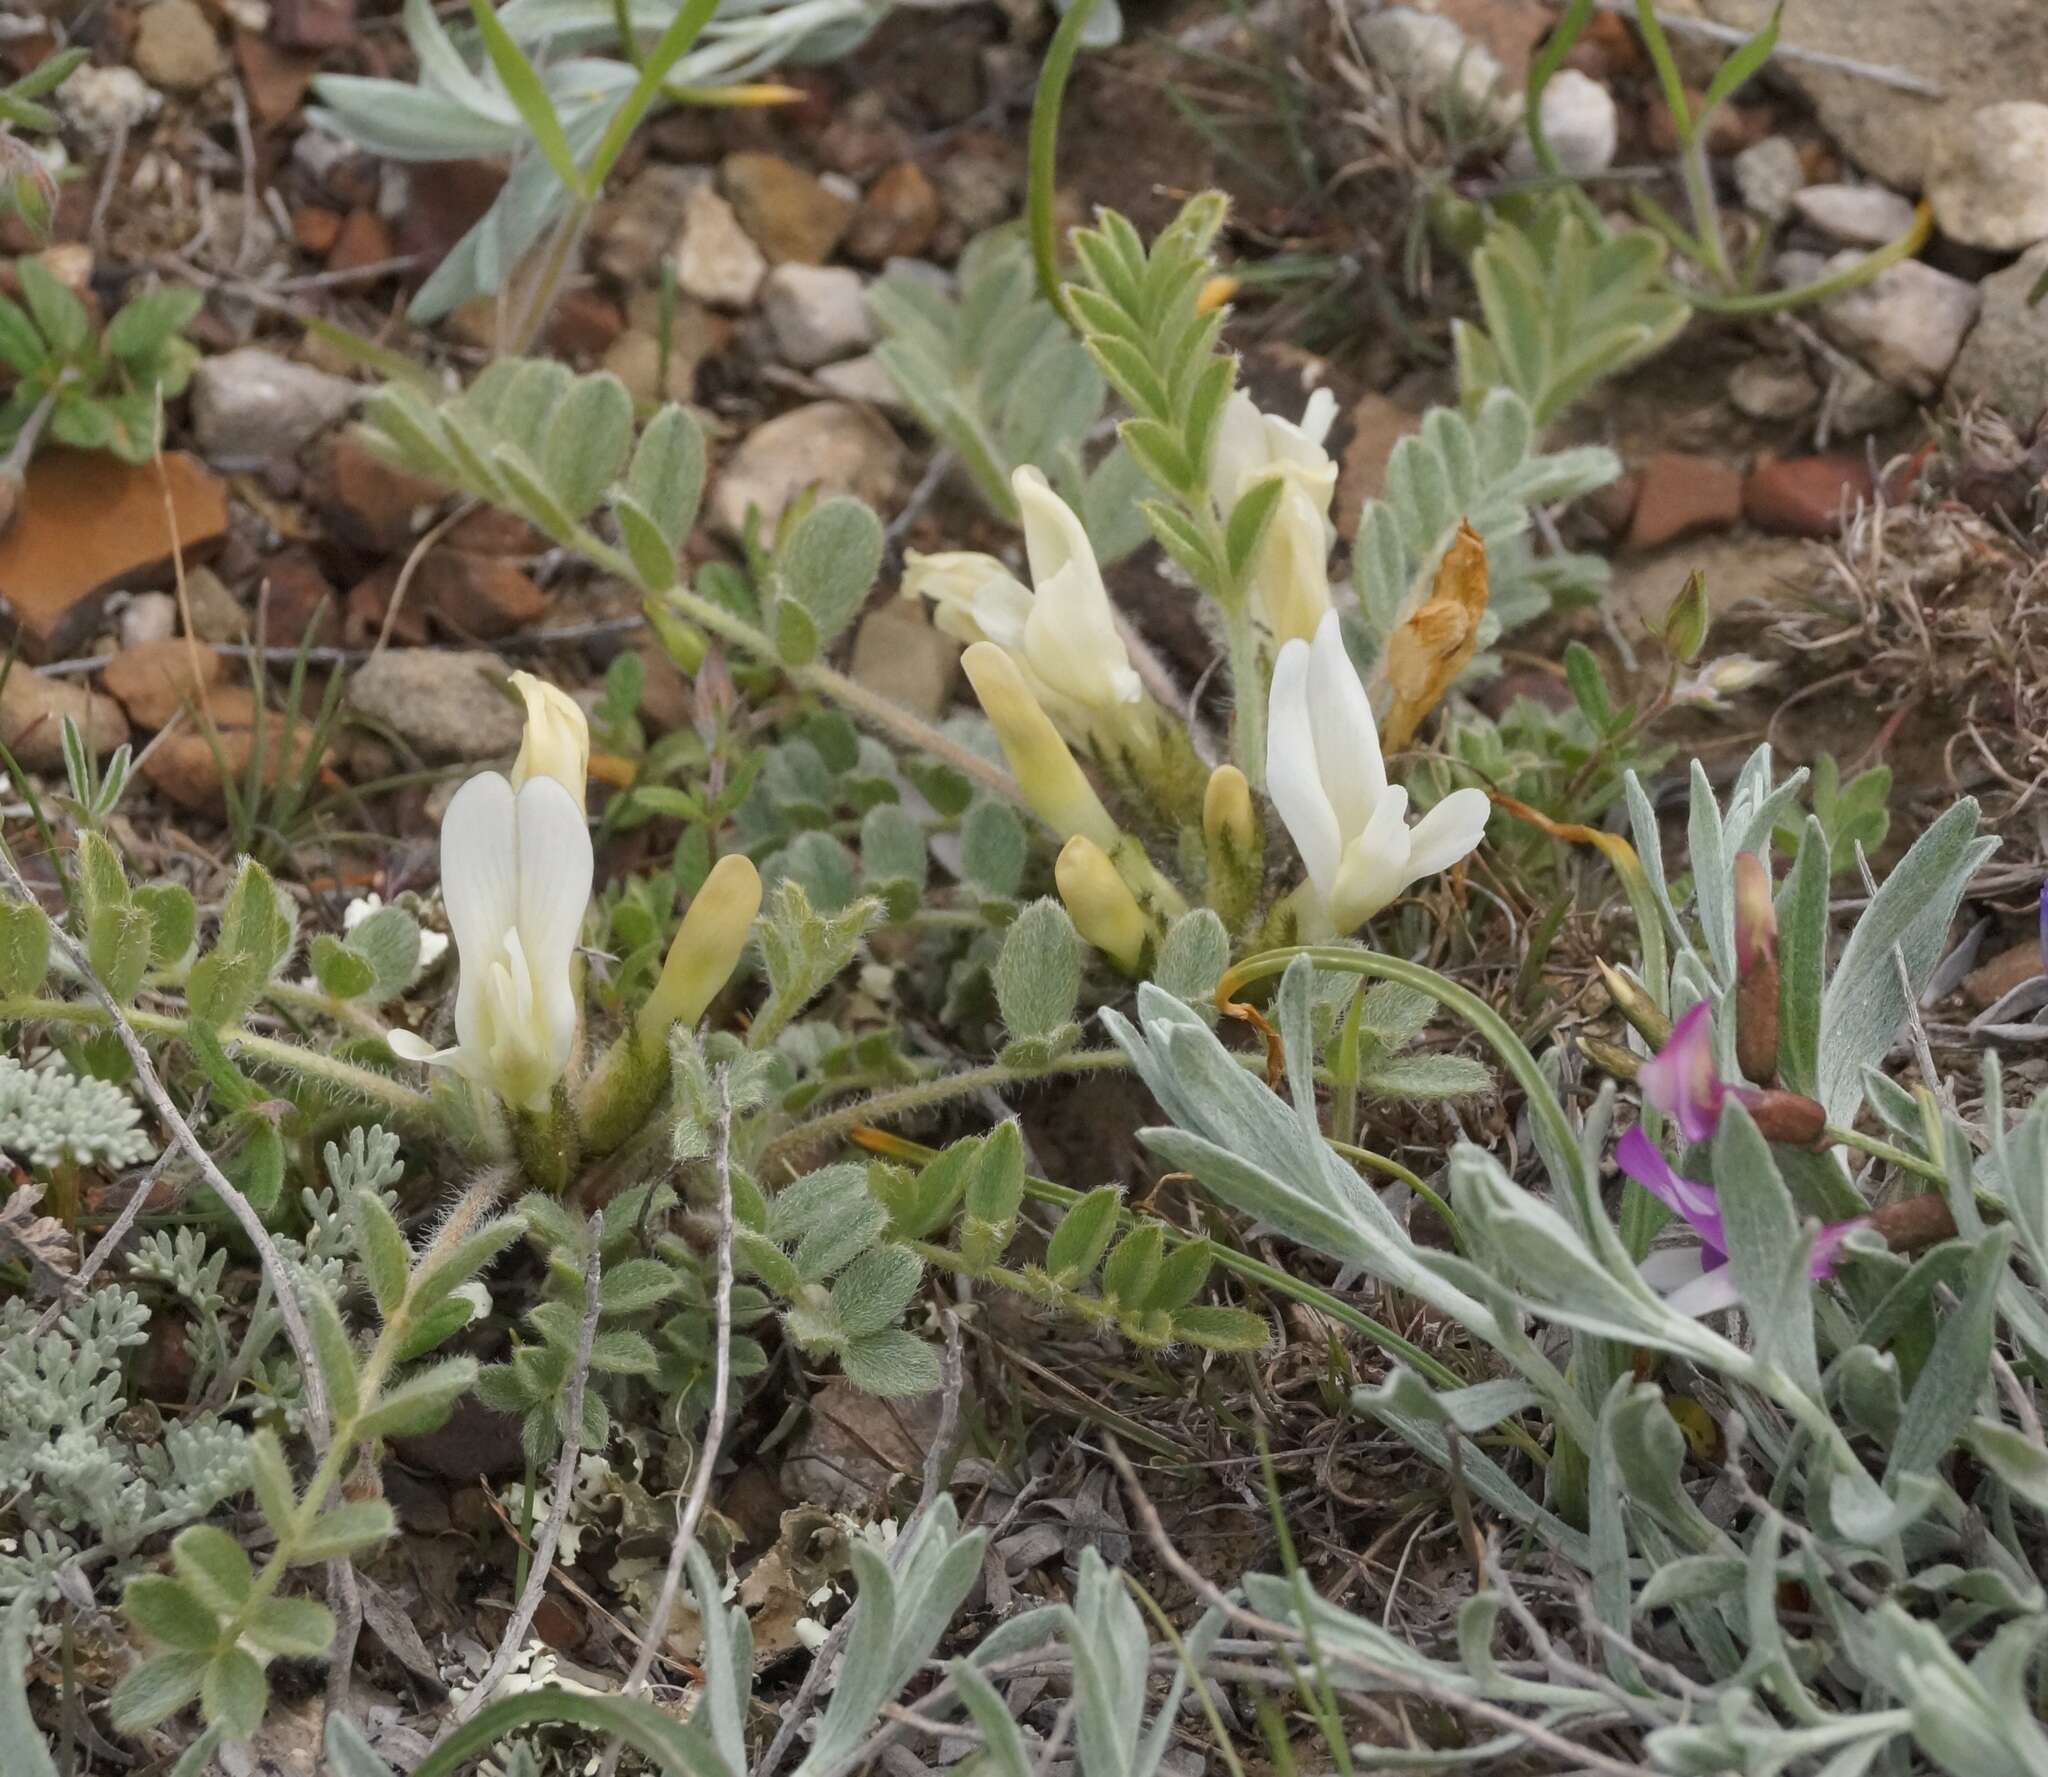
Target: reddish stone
1607, 50
584, 324
369, 604
446, 202
1806, 496
312, 24
1731, 129
490, 530
295, 604
477, 597
275, 79
316, 229
88, 523
897, 218
1681, 496
186, 766
155, 680
1990, 982
1613, 506
363, 241
370, 504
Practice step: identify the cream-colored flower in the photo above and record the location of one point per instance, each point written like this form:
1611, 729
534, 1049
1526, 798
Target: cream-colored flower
1061, 630
706, 948
515, 876
1329, 785
556, 743
1290, 575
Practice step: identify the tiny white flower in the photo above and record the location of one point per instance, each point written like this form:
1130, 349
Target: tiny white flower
1715, 683
1290, 585
1328, 782
1061, 630
515, 872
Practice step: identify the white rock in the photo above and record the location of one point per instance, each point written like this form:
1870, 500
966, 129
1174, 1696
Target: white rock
1989, 181
445, 702
817, 313
101, 102
716, 260
1906, 324
1423, 54
1772, 389
1767, 173
148, 617
1863, 215
864, 379
830, 445
1579, 122
250, 406
2005, 359
1861, 402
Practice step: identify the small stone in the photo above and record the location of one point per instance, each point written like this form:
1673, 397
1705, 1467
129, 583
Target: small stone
296, 602
1772, 389
478, 597
175, 46
148, 617
186, 767
635, 359
1423, 55
1861, 402
87, 524
1682, 495
312, 24
102, 102
584, 324
716, 262
250, 407
1863, 215
2005, 360
898, 655
443, 207
444, 702
862, 138
1989, 982
981, 178
829, 445
1805, 496
1989, 181
275, 79
1907, 323
1768, 175
32, 712
1377, 425
817, 313
370, 503
898, 216
865, 379
217, 615
1580, 123
156, 680
640, 225
316, 229
364, 240
788, 213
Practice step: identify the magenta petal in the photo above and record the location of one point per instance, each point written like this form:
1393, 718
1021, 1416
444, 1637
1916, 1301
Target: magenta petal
1680, 1079
1828, 1244
1637, 1155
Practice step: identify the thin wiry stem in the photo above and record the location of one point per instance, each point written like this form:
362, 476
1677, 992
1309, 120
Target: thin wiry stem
714, 1429
558, 1506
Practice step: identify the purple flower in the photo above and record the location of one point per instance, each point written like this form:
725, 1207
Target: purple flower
1681, 1080
1697, 1280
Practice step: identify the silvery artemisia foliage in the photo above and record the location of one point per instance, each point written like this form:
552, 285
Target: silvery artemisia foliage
49, 1115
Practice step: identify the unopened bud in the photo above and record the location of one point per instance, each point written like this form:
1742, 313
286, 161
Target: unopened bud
1788, 1117
1227, 817
556, 740
1685, 623
706, 949
1611, 1058
1049, 779
1104, 910
1633, 1002
1756, 970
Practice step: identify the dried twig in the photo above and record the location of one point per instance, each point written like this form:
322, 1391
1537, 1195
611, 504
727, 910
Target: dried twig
714, 1429
105, 1247
558, 1507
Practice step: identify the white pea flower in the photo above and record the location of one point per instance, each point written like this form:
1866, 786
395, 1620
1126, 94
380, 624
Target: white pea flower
1715, 683
1329, 785
1062, 635
515, 875
556, 743
1290, 585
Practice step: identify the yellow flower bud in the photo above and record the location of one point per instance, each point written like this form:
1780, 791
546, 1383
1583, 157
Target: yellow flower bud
1104, 910
1052, 784
556, 743
1227, 818
706, 949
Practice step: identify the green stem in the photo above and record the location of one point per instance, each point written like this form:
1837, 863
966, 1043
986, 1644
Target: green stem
1848, 278
401, 1100
1880, 1150
1248, 695
1395, 1170
1044, 155
901, 1101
